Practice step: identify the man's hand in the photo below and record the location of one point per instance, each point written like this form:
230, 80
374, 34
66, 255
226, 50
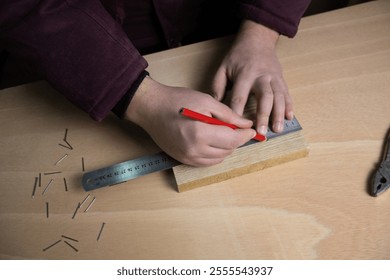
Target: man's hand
155, 107
252, 66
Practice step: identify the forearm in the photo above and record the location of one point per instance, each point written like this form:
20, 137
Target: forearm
76, 46
282, 16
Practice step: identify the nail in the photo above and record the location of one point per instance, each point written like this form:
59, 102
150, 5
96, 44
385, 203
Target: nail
61, 159
85, 199
263, 130
100, 232
67, 237
47, 209
70, 245
66, 185
90, 204
277, 127
66, 134
55, 243
75, 212
35, 187
68, 147
290, 115
48, 185
82, 163
51, 173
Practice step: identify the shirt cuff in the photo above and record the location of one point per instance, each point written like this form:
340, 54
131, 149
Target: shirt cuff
121, 107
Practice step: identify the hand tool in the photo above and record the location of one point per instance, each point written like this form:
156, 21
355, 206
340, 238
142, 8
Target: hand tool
381, 179
122, 172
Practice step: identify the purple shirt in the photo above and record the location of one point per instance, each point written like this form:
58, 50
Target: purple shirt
91, 51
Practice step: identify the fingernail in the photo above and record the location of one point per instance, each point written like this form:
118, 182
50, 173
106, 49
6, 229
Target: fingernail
254, 134
277, 127
249, 122
290, 115
263, 130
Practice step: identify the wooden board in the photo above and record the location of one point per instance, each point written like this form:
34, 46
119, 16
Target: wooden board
244, 160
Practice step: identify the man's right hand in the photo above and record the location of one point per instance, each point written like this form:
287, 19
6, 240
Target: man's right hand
155, 107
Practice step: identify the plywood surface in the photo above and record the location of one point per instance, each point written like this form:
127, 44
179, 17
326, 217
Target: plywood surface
317, 207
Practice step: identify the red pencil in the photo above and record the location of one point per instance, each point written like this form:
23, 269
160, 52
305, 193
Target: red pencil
206, 119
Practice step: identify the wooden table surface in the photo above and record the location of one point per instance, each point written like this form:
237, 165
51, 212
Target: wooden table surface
338, 72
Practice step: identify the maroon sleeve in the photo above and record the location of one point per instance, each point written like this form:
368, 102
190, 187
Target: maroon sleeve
282, 16
74, 45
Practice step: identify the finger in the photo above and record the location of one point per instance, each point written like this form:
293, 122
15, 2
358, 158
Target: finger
228, 139
221, 142
204, 162
219, 83
226, 114
289, 111
240, 92
279, 107
265, 97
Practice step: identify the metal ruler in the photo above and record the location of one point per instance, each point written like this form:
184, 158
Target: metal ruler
131, 169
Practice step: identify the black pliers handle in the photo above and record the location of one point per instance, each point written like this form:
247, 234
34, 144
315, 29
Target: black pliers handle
381, 180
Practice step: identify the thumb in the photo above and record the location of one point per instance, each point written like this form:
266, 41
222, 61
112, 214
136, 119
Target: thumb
226, 114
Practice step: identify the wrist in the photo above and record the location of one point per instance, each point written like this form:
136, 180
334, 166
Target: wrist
259, 31
142, 101
121, 106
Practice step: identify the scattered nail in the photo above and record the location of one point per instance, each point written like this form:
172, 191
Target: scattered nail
48, 185
51, 173
61, 159
55, 243
47, 209
67, 237
66, 134
70, 245
35, 187
66, 185
100, 232
90, 204
66, 146
85, 199
75, 212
